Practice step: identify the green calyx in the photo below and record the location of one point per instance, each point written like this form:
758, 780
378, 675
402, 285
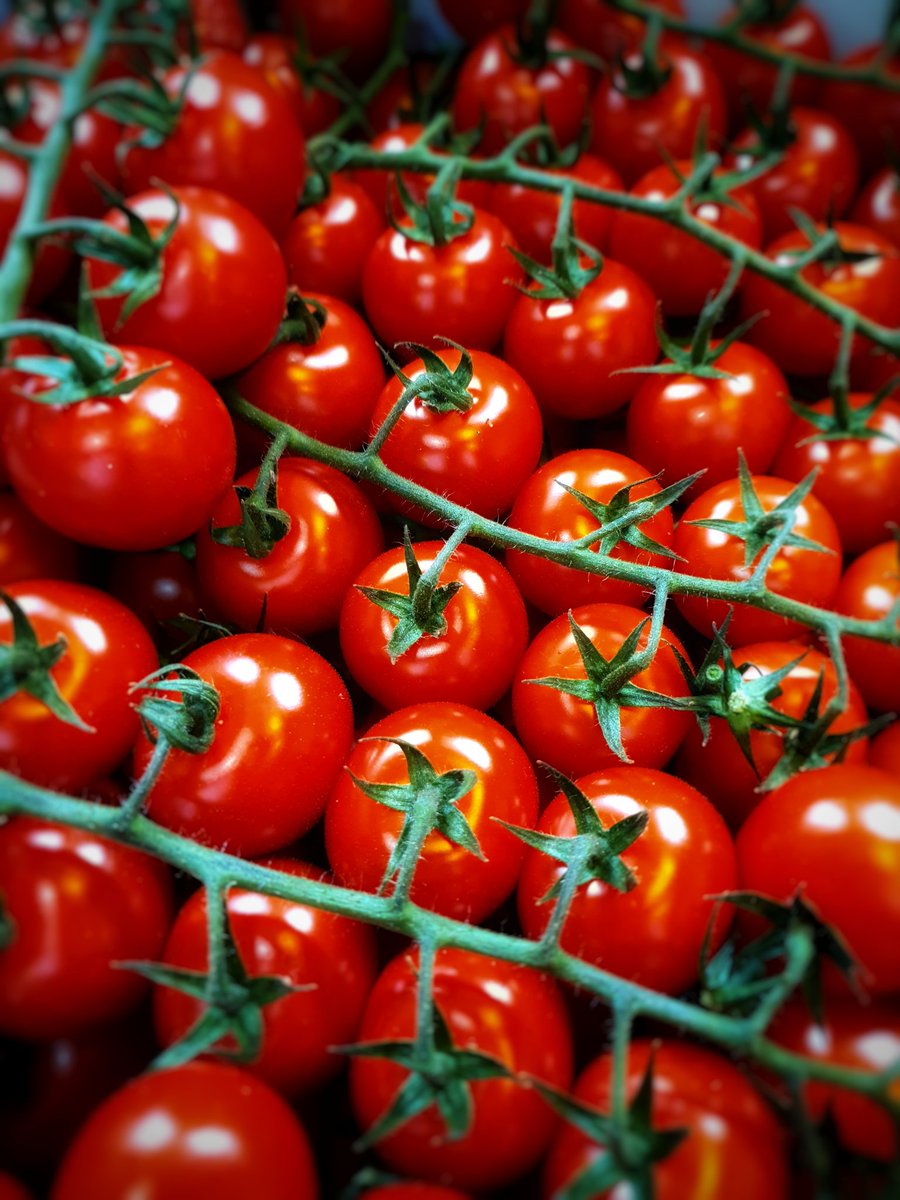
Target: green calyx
178, 707
643, 75
569, 273
263, 524
439, 387
25, 666
441, 218
303, 321
621, 517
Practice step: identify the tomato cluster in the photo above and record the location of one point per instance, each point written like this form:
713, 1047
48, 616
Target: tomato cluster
483, 566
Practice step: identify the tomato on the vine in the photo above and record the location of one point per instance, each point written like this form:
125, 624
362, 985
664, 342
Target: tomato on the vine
29, 549
869, 590
359, 32
159, 586
607, 30
878, 204
51, 260
274, 56
871, 114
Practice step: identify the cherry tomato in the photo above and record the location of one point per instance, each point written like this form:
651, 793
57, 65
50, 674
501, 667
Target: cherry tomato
793, 838
29, 549
800, 573
11, 380
409, 1190
106, 650
58, 43
871, 114
607, 30
400, 99
475, 19
202, 1129
275, 58
219, 24
884, 750
869, 588
78, 905
563, 730
360, 833
159, 587
878, 204
11, 1189
283, 731
489, 1006
51, 260
359, 32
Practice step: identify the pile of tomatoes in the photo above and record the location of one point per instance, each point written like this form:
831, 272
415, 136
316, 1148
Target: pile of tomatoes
397, 631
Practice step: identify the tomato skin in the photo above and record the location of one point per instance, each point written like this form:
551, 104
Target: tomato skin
409, 1190
568, 350
871, 114
563, 731
29, 549
282, 733
50, 261
544, 508
79, 904
272, 55
868, 589
607, 31
330, 955
475, 20
490, 1006
884, 750
806, 575
653, 934
720, 770
360, 834
679, 424
300, 584
472, 663
878, 205
796, 834
158, 586
261, 1147
11, 1189
107, 649
734, 1148
360, 32
211, 311
123, 472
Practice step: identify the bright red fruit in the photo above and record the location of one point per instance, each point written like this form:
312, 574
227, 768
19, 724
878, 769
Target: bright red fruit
869, 589
358, 32
29, 549
878, 204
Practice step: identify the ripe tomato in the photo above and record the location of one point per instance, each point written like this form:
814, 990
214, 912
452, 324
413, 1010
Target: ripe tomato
793, 838
546, 509
561, 729
235, 134
569, 350
399, 98
158, 587
223, 282
408, 1190
491, 1007
29, 549
878, 204
123, 472
106, 650
78, 905
282, 733
274, 56
680, 270
474, 19
472, 662
201, 1129
800, 573
359, 32
11, 380
360, 833
11, 1189
884, 750
330, 958
734, 1146
51, 261
607, 30
871, 114
654, 933
300, 584
718, 767
868, 589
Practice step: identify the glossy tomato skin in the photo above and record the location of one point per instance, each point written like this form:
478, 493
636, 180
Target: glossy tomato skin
802, 574
273, 56
360, 834
478, 458
653, 934
259, 1147
159, 587
472, 662
235, 134
212, 311
868, 589
562, 730
107, 650
411, 1190
489, 1006
29, 549
11, 1189
359, 32
871, 114
719, 769
51, 261
474, 20
878, 204
847, 813
884, 750
283, 731
123, 472
734, 1146
299, 585
544, 508
681, 271
331, 958
79, 905
568, 350
679, 424
606, 30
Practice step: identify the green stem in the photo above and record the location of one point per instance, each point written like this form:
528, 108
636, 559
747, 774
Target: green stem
424, 590
549, 942
133, 804
623, 1017
217, 966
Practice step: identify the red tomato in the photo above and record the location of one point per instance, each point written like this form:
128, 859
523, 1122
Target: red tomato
868, 589
569, 350
202, 1129
400, 97
123, 471
478, 458
58, 43
489, 1006
679, 424
11, 1189
106, 650
797, 572
544, 508
360, 833
718, 767
219, 24
223, 283
29, 549
158, 587
653, 934
605, 29
734, 1146
79, 905
796, 834
682, 271
563, 730
330, 958
358, 32
300, 584
282, 733
235, 134
474, 19
51, 261
275, 57
878, 204
472, 662
409, 1190
884, 750
871, 114
11, 380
